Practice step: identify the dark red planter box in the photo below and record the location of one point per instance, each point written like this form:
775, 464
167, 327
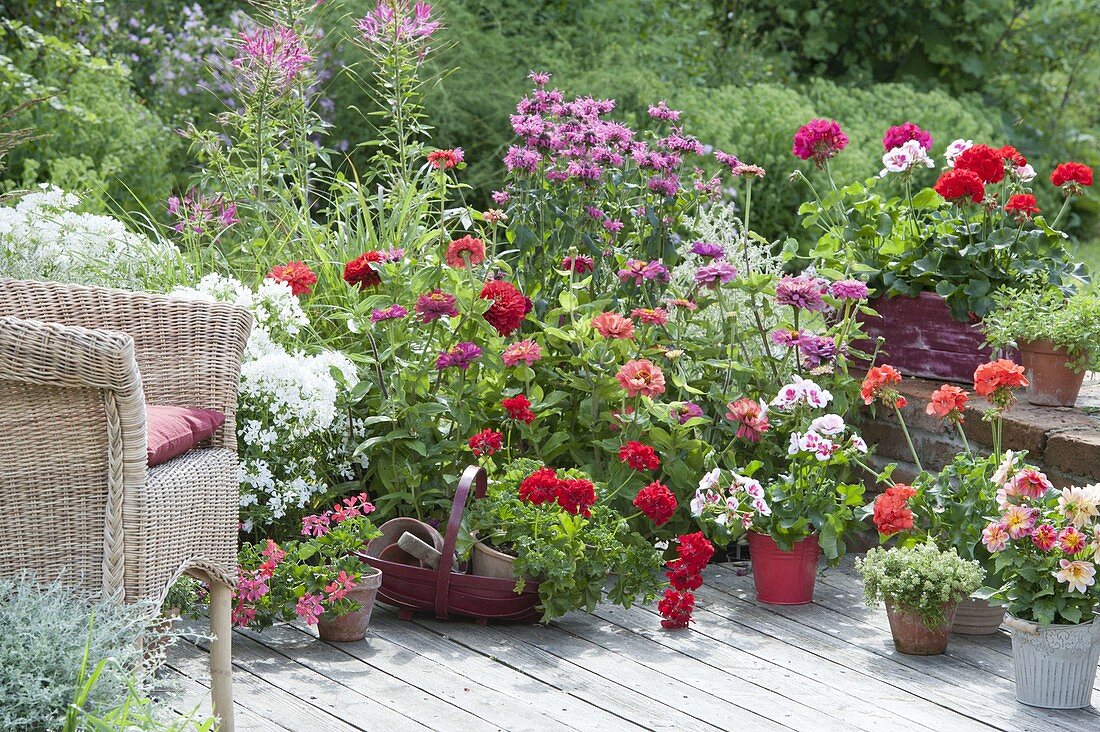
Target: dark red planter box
922, 339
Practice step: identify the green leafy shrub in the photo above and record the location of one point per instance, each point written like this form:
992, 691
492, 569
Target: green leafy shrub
97, 135
919, 579
50, 633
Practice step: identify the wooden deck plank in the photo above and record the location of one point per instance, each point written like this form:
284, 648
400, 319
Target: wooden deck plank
863, 702
629, 642
980, 696
351, 679
187, 696
530, 699
643, 700
267, 698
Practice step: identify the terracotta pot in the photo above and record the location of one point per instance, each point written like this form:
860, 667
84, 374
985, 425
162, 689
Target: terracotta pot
485, 561
913, 637
977, 617
385, 546
784, 578
920, 338
353, 626
1051, 382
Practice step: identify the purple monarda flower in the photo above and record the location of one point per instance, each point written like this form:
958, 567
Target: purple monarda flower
501, 197
801, 292
717, 273
276, 53
539, 78
849, 290
728, 159
519, 158
461, 356
708, 250
660, 110
668, 185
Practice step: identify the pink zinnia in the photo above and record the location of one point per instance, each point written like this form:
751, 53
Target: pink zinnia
393, 312
526, 351
640, 271
819, 140
433, 305
849, 290
641, 377
613, 326
683, 411
461, 356
751, 415
651, 316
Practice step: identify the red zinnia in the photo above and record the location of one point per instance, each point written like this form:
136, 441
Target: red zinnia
892, 513
473, 249
540, 486
656, 502
509, 306
296, 274
983, 160
519, 408
576, 495
360, 272
957, 184
1023, 204
486, 442
579, 265
1071, 176
639, 456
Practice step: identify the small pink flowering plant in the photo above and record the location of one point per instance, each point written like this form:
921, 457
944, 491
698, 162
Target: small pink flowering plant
1044, 547
307, 579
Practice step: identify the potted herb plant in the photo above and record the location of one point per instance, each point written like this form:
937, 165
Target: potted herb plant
950, 506
558, 526
937, 250
921, 586
1044, 546
317, 579
1058, 338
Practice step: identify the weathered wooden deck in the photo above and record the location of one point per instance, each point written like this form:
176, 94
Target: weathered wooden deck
742, 666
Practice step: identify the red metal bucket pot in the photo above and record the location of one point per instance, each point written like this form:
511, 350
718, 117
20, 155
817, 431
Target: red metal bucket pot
784, 578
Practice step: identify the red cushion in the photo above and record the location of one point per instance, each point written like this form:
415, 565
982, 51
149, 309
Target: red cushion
173, 431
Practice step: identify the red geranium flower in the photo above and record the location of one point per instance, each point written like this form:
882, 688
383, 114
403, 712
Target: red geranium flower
519, 408
639, 456
694, 550
360, 272
996, 380
656, 502
486, 442
1011, 156
957, 184
509, 306
576, 495
1022, 204
296, 274
676, 609
948, 402
683, 578
983, 160
540, 486
881, 383
1071, 176
892, 513
473, 248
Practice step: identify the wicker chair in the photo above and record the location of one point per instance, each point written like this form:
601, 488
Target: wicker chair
77, 365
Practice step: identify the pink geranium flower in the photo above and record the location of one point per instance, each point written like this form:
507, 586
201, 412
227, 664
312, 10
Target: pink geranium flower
310, 608
819, 140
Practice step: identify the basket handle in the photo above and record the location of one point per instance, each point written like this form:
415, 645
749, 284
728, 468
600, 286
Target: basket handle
475, 476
